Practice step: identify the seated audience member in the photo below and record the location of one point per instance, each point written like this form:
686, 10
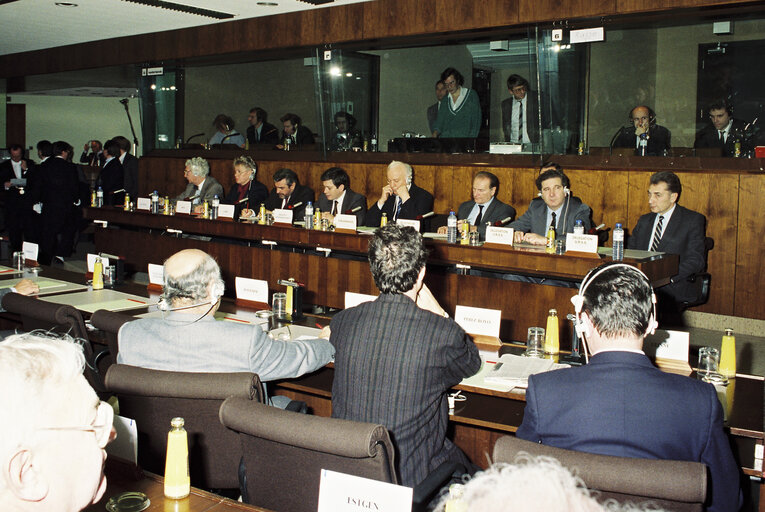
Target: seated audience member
723, 131
202, 187
53, 429
397, 357
400, 198
189, 339
130, 165
297, 134
339, 198
673, 229
246, 193
112, 177
432, 112
681, 418
459, 113
485, 208
260, 130
94, 158
531, 484
17, 208
226, 134
23, 287
555, 206
289, 194
644, 132
346, 136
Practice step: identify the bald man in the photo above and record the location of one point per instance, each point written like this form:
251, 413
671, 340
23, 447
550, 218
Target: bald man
647, 137
188, 338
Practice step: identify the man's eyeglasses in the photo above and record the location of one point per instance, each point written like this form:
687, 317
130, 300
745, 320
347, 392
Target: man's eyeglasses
101, 427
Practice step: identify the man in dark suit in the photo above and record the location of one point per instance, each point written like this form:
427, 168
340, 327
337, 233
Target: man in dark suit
647, 137
339, 198
297, 134
401, 198
620, 404
112, 177
202, 187
289, 194
18, 209
129, 165
433, 109
95, 158
485, 208
397, 357
520, 112
260, 130
723, 131
555, 205
673, 229
57, 188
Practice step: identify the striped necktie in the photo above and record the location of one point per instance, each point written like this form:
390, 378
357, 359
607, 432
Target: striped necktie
397, 210
657, 234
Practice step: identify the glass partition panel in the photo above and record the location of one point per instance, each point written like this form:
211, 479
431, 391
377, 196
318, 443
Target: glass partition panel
160, 95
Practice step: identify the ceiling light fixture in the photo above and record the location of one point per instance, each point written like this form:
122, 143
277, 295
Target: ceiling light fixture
267, 4
65, 4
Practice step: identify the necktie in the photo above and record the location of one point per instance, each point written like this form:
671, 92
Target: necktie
397, 211
520, 121
479, 216
552, 223
657, 234
722, 136
334, 208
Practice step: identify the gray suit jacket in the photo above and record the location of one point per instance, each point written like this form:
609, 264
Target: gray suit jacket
496, 211
178, 343
210, 188
350, 201
535, 218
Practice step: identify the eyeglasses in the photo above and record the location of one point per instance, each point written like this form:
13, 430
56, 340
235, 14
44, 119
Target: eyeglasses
102, 426
450, 82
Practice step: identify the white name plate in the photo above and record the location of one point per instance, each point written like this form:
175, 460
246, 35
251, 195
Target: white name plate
478, 320
408, 222
226, 211
669, 345
283, 216
183, 207
339, 492
92, 261
354, 299
345, 221
143, 203
251, 289
156, 274
582, 243
499, 235
30, 251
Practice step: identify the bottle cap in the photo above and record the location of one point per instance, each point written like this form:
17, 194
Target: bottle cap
618, 224
728, 331
177, 422
553, 312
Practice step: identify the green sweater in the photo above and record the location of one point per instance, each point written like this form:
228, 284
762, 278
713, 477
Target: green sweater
465, 121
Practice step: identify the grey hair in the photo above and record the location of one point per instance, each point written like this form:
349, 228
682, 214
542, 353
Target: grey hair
194, 285
247, 162
407, 168
198, 166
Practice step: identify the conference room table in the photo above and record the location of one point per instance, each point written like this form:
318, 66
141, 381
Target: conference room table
511, 279
486, 414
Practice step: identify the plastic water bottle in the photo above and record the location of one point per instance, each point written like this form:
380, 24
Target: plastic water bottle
451, 228
215, 205
99, 197
578, 227
154, 202
309, 215
618, 247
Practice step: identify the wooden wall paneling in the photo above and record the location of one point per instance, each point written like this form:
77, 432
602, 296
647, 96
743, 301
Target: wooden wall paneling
456, 188
543, 10
524, 189
750, 263
451, 16
477, 443
637, 197
605, 192
390, 18
631, 6
337, 24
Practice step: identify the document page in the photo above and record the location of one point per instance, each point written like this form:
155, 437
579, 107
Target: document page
515, 370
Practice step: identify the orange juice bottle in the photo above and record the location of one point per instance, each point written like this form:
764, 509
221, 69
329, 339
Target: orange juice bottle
728, 354
177, 480
552, 342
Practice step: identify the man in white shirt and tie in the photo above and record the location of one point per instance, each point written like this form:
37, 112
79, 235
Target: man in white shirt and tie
723, 131
339, 198
520, 112
401, 198
673, 229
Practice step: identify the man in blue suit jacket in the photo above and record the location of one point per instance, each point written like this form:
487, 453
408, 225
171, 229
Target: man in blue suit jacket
620, 404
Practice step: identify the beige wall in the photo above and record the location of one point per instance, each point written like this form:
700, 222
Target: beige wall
2, 112
76, 119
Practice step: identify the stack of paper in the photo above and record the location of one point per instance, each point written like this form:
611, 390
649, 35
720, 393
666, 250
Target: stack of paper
515, 370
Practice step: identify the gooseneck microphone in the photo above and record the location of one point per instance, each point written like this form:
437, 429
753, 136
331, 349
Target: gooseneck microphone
354, 210
503, 221
425, 216
194, 136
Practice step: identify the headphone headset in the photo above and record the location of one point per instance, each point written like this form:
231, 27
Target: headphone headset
218, 287
651, 115
566, 191
578, 299
408, 180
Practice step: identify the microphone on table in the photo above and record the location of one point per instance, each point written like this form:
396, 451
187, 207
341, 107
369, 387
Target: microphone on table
425, 216
192, 198
117, 191
296, 205
503, 221
354, 210
193, 136
243, 200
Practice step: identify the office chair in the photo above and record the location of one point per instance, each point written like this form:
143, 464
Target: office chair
672, 485
153, 397
109, 324
283, 454
701, 280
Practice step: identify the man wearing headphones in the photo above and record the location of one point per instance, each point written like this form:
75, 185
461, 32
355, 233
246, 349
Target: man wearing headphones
723, 131
554, 206
597, 408
647, 137
400, 198
188, 338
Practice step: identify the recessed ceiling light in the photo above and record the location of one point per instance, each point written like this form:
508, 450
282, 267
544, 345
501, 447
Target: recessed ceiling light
66, 4
267, 4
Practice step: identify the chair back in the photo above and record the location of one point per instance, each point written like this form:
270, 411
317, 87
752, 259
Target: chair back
109, 323
673, 485
281, 448
153, 397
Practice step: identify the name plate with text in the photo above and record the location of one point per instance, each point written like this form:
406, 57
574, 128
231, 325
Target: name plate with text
143, 203
30, 251
478, 320
582, 243
345, 221
339, 492
353, 299
499, 235
282, 216
183, 207
156, 274
226, 211
408, 222
255, 290
92, 260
